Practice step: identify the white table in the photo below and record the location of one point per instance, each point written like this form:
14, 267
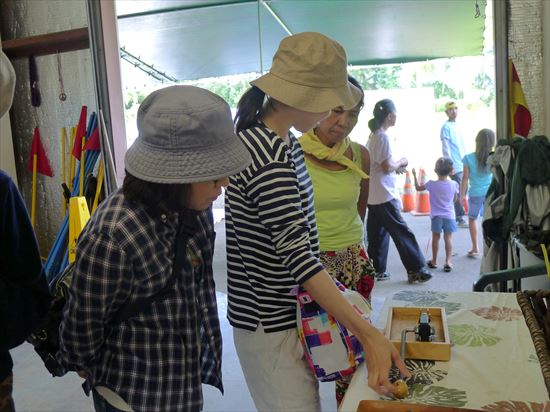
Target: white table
493, 362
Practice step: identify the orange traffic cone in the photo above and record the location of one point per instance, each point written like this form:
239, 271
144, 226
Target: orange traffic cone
422, 197
408, 195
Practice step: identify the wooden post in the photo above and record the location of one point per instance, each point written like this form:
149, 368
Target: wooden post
59, 42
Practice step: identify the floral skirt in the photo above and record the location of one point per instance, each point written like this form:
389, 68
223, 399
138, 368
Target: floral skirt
354, 269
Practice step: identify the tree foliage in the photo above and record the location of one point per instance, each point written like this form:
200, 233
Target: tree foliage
378, 77
486, 85
445, 76
134, 97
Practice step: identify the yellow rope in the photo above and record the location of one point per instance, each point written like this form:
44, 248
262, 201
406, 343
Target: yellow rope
546, 260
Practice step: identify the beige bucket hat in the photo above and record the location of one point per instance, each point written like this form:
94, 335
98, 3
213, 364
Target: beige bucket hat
309, 72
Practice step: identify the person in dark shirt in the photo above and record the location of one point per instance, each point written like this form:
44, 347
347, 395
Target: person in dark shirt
24, 294
157, 359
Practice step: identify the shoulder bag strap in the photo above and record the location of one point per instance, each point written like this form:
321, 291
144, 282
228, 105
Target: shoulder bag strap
186, 229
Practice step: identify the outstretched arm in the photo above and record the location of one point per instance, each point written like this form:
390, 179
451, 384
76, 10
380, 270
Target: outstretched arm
418, 187
379, 351
389, 165
445, 139
364, 192
464, 184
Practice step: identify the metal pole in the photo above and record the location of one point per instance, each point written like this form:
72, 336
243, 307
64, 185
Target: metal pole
106, 67
260, 37
276, 17
500, 27
546, 63
184, 7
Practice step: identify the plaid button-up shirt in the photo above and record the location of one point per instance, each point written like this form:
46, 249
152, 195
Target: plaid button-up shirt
157, 359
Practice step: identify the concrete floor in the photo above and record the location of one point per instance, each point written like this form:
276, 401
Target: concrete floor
36, 391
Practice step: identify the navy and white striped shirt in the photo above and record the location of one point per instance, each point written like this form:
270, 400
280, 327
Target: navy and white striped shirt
272, 241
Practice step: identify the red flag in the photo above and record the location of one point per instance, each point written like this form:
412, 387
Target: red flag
520, 117
93, 141
80, 132
42, 163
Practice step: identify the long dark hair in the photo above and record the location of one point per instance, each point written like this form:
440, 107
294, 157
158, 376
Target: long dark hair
250, 109
381, 110
485, 141
156, 197
354, 81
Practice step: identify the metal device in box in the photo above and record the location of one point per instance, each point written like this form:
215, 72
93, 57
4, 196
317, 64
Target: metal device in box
430, 340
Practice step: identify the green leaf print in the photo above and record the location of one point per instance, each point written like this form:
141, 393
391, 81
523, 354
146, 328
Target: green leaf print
423, 372
450, 307
517, 406
470, 335
420, 298
427, 299
437, 395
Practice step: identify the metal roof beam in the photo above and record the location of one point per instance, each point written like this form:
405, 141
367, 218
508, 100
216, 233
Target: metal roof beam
184, 8
276, 17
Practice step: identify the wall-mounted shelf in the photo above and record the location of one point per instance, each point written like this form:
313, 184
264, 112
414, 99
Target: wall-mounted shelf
59, 42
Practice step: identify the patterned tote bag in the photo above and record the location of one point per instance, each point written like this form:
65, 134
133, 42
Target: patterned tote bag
332, 351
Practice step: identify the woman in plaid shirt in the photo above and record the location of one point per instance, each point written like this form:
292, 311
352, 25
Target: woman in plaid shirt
157, 359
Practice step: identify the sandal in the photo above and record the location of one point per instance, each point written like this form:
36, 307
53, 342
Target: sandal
382, 276
431, 265
472, 254
447, 268
422, 275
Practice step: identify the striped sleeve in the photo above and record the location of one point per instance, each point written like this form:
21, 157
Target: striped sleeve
275, 190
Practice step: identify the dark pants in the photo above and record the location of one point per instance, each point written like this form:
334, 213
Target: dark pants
459, 210
384, 221
6, 389
101, 405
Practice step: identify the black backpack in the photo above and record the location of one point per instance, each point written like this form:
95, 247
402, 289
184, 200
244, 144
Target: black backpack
45, 338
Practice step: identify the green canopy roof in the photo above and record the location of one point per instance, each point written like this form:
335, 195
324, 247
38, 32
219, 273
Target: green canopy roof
191, 39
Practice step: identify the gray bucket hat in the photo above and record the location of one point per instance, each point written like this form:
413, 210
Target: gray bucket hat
185, 136
7, 83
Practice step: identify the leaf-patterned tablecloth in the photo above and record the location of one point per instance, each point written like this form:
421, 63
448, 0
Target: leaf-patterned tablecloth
493, 363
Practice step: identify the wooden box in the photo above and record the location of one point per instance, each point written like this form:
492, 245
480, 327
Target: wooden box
384, 406
400, 318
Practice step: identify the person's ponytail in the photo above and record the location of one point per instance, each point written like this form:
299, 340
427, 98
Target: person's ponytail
374, 124
249, 109
382, 109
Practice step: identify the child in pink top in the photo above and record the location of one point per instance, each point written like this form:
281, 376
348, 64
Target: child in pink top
443, 195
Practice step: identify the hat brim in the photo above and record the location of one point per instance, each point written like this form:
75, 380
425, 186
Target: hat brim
151, 165
307, 98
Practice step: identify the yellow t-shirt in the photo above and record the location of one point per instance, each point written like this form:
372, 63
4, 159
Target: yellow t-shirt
336, 193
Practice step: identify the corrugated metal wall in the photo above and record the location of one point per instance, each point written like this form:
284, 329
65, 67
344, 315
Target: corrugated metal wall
525, 49
23, 18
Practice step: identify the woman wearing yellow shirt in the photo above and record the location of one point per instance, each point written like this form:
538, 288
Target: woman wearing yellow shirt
339, 170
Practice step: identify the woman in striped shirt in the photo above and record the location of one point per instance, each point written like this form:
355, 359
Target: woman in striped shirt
272, 241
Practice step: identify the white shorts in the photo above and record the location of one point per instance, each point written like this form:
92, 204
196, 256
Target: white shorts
276, 371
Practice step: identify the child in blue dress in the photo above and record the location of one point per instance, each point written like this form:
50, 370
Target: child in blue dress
476, 181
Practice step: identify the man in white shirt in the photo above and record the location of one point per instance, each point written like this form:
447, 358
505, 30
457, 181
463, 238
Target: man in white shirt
453, 148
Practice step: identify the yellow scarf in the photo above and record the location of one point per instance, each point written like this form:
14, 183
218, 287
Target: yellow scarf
312, 145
